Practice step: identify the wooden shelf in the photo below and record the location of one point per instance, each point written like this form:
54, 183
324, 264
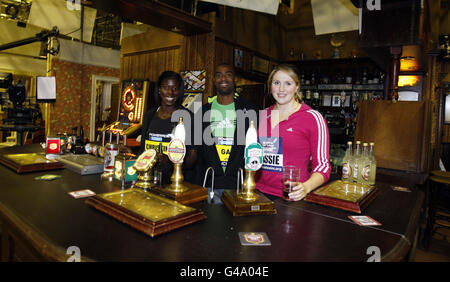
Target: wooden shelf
156, 14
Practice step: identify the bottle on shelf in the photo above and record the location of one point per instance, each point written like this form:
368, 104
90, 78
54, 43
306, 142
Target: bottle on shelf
373, 164
301, 96
356, 161
347, 163
348, 127
307, 79
364, 164
354, 100
381, 78
308, 97
315, 100
364, 77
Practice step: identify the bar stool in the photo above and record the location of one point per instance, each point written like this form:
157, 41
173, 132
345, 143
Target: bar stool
438, 213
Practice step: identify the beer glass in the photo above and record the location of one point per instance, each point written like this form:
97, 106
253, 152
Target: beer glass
290, 178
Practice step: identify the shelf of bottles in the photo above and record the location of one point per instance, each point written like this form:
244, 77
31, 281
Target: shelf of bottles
335, 88
336, 97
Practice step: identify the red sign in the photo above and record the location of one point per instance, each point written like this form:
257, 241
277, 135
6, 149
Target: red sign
53, 145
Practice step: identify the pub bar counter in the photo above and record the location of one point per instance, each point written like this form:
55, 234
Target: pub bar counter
39, 221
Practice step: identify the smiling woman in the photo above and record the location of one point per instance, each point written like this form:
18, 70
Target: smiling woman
158, 127
296, 134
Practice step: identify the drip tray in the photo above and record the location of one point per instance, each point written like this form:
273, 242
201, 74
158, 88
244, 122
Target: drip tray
82, 164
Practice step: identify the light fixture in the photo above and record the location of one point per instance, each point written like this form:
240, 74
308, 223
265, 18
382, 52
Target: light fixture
408, 63
407, 80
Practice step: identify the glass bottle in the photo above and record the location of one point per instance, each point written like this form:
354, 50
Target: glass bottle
316, 100
373, 164
356, 160
364, 78
364, 164
308, 97
347, 163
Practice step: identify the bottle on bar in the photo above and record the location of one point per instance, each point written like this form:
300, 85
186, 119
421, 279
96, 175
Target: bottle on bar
356, 160
347, 164
364, 164
373, 164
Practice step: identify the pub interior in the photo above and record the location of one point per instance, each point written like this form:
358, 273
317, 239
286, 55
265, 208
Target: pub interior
377, 71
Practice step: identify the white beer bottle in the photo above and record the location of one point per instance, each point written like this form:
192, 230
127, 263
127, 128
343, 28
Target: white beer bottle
356, 160
373, 164
364, 165
347, 163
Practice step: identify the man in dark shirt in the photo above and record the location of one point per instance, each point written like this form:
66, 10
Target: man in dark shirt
225, 123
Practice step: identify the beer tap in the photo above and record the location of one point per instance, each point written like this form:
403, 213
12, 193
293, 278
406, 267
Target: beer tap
211, 193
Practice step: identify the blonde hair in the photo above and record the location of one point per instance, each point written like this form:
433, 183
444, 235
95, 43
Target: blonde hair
292, 72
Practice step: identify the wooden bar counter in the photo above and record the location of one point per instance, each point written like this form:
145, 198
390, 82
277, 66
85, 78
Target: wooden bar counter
39, 221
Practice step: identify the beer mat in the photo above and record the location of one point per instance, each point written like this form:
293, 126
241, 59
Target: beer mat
400, 188
254, 239
47, 177
364, 220
81, 193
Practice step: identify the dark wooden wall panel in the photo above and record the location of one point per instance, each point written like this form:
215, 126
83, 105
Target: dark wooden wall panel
224, 52
199, 55
147, 55
398, 132
150, 65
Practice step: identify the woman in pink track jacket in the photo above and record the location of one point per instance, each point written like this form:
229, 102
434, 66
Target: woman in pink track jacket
291, 133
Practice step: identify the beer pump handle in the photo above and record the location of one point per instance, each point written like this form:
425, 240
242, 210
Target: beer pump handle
240, 175
211, 194
103, 138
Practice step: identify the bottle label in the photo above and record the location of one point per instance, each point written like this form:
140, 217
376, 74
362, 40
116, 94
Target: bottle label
365, 172
355, 171
346, 171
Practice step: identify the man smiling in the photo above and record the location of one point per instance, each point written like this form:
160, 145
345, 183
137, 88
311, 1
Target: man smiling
226, 154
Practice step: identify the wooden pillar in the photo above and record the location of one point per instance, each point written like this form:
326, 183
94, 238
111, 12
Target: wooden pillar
394, 72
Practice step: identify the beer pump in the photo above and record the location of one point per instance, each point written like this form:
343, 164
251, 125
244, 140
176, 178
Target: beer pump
178, 190
248, 201
144, 167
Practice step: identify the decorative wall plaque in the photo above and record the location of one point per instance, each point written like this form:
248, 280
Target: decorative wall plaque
194, 80
260, 65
